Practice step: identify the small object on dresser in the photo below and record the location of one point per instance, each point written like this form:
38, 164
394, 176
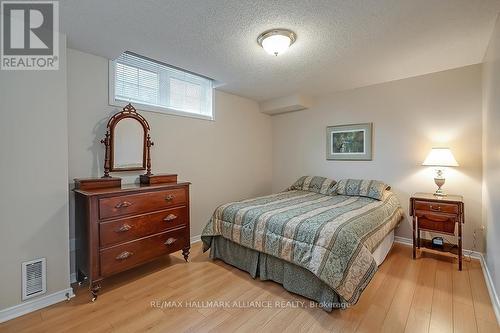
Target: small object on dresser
158, 178
95, 183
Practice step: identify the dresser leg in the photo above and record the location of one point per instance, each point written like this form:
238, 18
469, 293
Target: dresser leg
185, 253
94, 290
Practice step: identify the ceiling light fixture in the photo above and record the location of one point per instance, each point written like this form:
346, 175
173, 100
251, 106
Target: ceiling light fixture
276, 41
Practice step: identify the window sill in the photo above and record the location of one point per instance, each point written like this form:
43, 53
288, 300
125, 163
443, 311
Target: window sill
157, 109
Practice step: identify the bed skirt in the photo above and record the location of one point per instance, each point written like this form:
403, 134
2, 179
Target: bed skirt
295, 279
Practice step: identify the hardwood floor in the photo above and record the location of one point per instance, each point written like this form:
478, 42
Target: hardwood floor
425, 295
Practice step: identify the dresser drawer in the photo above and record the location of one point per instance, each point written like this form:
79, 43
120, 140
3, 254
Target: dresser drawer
127, 229
436, 207
436, 222
140, 203
122, 257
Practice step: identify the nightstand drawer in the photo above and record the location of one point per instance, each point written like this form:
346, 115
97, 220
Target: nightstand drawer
436, 207
436, 222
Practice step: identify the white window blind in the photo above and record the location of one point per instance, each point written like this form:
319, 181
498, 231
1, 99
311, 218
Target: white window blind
157, 87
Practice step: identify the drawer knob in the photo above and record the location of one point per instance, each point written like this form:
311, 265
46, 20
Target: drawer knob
123, 204
170, 217
124, 255
169, 197
124, 228
170, 241
435, 208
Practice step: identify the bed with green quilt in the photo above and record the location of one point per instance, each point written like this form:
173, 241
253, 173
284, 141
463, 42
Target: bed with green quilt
316, 238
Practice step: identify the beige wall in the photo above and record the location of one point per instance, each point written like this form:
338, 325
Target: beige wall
34, 173
491, 155
409, 117
226, 159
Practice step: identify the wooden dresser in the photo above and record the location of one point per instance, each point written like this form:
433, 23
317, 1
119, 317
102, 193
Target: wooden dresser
122, 227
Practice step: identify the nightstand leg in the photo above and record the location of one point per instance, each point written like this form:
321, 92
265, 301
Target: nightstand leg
459, 245
414, 237
418, 237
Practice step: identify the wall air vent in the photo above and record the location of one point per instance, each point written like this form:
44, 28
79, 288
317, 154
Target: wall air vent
34, 278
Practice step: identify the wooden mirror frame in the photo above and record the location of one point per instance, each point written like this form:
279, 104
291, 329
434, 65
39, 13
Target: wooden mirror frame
128, 112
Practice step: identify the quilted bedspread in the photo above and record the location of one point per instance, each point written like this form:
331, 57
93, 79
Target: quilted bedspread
332, 236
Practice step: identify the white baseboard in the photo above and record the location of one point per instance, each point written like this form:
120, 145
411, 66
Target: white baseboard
491, 288
487, 276
35, 304
403, 240
195, 239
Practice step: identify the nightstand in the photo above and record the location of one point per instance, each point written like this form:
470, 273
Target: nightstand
437, 215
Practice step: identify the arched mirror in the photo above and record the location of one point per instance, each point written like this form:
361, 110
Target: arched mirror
127, 142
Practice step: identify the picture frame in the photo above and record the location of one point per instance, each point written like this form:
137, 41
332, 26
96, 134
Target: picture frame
351, 142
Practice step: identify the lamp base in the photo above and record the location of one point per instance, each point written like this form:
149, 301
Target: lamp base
439, 182
440, 193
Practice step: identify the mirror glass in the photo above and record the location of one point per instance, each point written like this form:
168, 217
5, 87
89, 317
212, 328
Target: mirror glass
128, 145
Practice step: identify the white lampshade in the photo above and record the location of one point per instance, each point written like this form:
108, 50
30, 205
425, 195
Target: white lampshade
440, 157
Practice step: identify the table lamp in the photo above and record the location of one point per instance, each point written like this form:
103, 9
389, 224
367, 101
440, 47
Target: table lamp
440, 158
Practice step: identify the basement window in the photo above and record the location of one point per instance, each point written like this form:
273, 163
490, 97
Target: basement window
153, 86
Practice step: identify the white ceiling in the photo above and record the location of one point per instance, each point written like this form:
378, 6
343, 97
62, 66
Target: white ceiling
341, 44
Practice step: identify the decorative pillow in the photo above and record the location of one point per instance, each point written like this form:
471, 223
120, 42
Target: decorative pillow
315, 184
361, 187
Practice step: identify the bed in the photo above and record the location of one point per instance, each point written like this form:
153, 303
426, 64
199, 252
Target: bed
320, 239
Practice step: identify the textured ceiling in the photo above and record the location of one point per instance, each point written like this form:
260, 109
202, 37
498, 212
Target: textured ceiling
341, 44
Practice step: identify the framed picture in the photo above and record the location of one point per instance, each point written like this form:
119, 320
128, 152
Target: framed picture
349, 142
